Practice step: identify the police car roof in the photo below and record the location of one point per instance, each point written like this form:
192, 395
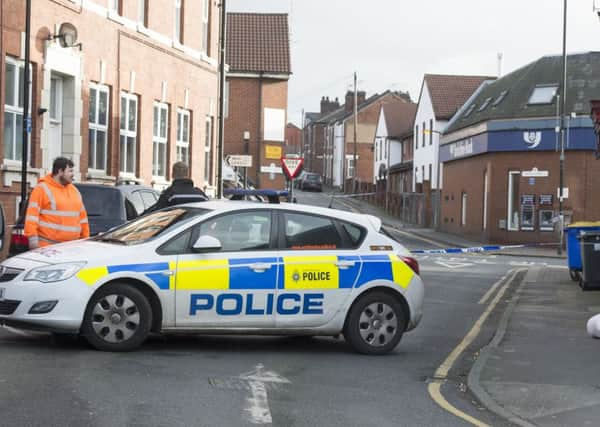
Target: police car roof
225, 205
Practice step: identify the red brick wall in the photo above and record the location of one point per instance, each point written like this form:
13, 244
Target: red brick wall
293, 139
248, 97
582, 177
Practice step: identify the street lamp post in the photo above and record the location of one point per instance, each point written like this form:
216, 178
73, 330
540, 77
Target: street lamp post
563, 105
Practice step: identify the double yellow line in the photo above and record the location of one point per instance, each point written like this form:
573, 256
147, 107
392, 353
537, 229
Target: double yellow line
441, 373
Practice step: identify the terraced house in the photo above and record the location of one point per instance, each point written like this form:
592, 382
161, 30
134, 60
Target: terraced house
134, 94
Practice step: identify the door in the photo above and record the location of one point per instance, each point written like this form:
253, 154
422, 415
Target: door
233, 286
55, 113
320, 269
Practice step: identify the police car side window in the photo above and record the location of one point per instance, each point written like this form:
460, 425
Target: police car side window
136, 200
245, 231
355, 234
177, 245
306, 232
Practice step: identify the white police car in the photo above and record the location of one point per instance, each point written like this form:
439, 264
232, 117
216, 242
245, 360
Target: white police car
221, 267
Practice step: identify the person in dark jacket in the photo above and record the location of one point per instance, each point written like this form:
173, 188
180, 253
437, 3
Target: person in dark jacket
181, 190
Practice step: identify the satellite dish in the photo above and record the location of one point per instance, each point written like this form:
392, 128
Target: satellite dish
67, 34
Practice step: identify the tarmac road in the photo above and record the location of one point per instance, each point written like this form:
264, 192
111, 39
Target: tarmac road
239, 381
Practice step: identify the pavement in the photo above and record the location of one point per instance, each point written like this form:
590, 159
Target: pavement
541, 367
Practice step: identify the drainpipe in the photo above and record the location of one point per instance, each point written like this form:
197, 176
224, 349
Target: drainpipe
26, 118
259, 129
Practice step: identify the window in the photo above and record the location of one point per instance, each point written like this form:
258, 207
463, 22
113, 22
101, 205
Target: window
143, 12
543, 94
114, 6
500, 98
159, 140
128, 133
205, 26
469, 111
485, 104
430, 131
13, 109
208, 137
350, 167
463, 209
416, 137
98, 127
240, 231
513, 200
183, 136
178, 28
423, 134
354, 233
308, 232
430, 177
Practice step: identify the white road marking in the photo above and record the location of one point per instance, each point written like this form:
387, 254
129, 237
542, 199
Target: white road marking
453, 264
258, 401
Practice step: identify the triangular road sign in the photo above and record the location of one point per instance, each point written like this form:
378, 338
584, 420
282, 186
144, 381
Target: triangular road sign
291, 166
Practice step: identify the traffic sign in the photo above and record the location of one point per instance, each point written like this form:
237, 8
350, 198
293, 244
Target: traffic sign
291, 166
239, 160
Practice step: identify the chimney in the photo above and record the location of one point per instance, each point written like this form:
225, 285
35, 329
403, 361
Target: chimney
361, 95
328, 105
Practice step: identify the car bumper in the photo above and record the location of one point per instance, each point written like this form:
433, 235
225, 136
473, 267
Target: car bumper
19, 297
415, 294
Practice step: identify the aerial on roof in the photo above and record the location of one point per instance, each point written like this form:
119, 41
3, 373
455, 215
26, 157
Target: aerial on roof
531, 91
399, 117
448, 93
258, 43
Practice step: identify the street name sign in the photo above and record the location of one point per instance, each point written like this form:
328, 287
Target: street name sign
291, 166
239, 160
535, 173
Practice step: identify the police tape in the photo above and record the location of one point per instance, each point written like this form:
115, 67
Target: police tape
485, 248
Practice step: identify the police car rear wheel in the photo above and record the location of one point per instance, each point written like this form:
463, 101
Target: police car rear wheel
375, 324
118, 318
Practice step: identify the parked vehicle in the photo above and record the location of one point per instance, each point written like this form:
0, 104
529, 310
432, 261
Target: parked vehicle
107, 206
311, 181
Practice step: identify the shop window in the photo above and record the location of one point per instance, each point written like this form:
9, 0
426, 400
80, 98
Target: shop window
527, 212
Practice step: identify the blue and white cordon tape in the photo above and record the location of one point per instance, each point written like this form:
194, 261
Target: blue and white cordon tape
475, 249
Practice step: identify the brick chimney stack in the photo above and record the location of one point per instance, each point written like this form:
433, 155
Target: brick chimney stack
327, 106
361, 95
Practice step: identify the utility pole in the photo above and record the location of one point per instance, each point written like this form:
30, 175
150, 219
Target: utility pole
354, 177
563, 107
26, 118
223, 21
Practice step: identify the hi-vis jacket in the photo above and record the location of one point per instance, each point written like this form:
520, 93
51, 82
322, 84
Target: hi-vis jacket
55, 213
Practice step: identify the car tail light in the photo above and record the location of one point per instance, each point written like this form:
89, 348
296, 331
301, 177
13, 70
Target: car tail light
411, 262
18, 239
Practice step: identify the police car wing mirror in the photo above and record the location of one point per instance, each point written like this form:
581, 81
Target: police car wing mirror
207, 243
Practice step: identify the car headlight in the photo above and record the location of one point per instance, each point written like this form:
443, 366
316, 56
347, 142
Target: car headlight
54, 273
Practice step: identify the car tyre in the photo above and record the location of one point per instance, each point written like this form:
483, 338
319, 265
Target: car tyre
375, 323
118, 318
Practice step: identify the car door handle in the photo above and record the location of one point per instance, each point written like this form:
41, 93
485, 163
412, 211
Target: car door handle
260, 267
343, 265
168, 273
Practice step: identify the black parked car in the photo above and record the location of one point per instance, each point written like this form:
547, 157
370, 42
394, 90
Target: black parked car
311, 181
106, 206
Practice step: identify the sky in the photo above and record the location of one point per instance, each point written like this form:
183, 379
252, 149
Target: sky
391, 44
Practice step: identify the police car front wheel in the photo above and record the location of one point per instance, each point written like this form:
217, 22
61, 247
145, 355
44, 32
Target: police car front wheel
118, 318
375, 323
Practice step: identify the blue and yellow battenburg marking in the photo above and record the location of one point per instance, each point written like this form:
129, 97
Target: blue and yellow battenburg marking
287, 273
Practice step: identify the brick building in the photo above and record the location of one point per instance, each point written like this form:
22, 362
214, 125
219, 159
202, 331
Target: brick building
137, 94
293, 139
314, 135
501, 165
258, 55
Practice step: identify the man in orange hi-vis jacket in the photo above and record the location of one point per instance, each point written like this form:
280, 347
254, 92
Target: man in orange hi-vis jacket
55, 212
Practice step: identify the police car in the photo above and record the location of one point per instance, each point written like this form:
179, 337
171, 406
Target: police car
221, 267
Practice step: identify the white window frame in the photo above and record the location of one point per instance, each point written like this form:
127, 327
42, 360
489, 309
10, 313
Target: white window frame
114, 6
159, 142
142, 12
178, 22
181, 144
96, 126
128, 133
15, 110
205, 25
208, 137
485, 198
350, 167
512, 175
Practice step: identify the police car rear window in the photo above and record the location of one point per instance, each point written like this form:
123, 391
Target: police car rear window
310, 232
355, 233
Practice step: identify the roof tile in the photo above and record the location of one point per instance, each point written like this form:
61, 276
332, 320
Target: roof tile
448, 93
